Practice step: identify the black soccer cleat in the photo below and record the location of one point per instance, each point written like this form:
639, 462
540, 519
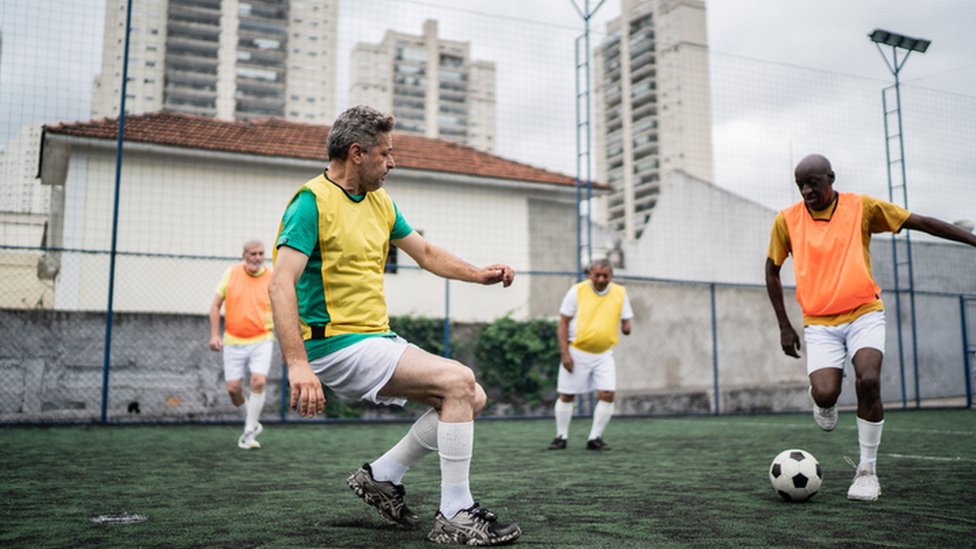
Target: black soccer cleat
385, 496
596, 444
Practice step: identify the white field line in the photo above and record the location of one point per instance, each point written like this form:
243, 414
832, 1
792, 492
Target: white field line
888, 428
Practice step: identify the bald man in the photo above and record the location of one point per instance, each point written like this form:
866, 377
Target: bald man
829, 236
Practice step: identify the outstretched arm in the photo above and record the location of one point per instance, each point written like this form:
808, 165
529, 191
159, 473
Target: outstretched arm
443, 263
939, 228
306, 389
788, 337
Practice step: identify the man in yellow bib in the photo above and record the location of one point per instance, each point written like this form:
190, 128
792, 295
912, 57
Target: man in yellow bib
330, 313
829, 236
248, 339
588, 318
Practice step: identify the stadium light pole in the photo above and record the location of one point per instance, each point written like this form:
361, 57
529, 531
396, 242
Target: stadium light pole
907, 44
583, 135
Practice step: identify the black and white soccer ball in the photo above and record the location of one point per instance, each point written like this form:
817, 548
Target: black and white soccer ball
795, 475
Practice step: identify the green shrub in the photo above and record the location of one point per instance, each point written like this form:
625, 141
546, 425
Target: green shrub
517, 363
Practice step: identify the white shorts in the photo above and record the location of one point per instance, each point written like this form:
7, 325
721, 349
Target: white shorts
359, 371
590, 373
256, 357
832, 346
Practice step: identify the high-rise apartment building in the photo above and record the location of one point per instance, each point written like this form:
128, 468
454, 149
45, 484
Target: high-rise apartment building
431, 85
230, 59
652, 115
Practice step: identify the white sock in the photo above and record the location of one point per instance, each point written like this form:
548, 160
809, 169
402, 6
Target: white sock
254, 404
601, 417
564, 414
455, 443
419, 441
869, 438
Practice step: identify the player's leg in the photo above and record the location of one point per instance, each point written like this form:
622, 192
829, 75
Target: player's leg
867, 341
568, 385
259, 363
234, 361
604, 376
380, 483
826, 356
358, 372
451, 388
563, 411
601, 417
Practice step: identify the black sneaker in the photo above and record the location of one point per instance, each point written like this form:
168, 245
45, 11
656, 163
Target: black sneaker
384, 495
473, 526
558, 443
596, 444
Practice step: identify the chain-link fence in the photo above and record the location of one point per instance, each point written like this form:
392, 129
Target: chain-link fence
228, 104
695, 348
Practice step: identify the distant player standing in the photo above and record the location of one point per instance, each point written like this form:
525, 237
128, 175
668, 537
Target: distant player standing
829, 236
588, 318
248, 338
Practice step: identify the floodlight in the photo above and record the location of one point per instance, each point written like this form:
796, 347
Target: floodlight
899, 40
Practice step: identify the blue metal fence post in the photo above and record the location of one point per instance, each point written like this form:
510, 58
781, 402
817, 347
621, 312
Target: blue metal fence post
285, 387
447, 318
966, 351
711, 288
115, 217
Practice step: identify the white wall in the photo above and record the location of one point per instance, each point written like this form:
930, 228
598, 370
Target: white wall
196, 206
704, 233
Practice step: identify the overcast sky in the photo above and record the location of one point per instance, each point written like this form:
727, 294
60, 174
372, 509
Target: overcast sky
788, 77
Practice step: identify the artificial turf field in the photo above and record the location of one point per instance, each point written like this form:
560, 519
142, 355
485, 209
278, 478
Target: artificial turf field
667, 482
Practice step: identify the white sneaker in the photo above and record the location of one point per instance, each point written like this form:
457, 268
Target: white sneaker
865, 486
826, 418
248, 440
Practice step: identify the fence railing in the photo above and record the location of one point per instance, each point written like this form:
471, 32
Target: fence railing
696, 348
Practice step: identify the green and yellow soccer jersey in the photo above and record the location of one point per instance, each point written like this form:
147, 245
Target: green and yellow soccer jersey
346, 238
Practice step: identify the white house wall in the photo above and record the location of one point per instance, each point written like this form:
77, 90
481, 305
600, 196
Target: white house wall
180, 205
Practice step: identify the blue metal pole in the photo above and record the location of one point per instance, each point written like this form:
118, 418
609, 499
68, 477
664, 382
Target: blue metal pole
115, 216
285, 388
967, 367
447, 318
908, 236
711, 288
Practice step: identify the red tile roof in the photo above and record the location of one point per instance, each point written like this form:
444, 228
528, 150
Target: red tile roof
276, 137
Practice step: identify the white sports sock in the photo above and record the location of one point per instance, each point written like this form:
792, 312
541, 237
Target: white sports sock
419, 441
601, 417
254, 404
455, 443
564, 414
869, 438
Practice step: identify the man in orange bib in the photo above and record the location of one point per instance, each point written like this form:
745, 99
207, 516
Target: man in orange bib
829, 236
248, 337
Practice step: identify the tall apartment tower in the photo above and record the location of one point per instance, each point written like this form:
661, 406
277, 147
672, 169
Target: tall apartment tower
431, 85
652, 115
230, 59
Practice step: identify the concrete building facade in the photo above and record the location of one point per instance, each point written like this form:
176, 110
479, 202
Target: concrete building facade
431, 85
229, 59
652, 107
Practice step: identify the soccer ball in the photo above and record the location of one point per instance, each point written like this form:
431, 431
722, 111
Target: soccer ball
795, 475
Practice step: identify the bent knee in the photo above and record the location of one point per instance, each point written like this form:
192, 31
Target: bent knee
480, 399
257, 383
460, 383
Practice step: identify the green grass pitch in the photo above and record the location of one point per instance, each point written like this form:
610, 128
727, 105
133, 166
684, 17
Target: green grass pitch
667, 482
